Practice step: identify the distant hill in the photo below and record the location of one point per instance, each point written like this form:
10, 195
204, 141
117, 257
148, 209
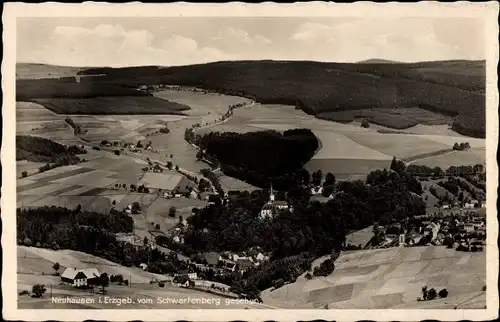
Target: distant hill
453, 88
41, 71
377, 61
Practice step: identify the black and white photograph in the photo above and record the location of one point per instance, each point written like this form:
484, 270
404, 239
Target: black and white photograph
250, 160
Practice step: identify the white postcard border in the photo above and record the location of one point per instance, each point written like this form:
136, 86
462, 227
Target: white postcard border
488, 11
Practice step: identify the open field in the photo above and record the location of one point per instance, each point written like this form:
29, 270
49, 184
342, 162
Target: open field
86, 184
401, 146
471, 157
230, 183
40, 71
166, 181
391, 278
360, 237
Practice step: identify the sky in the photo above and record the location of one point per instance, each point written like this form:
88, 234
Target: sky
173, 41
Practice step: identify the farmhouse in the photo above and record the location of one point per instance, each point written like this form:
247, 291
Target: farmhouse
80, 277
273, 207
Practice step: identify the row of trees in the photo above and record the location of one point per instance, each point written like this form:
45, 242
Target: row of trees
77, 130
464, 170
464, 146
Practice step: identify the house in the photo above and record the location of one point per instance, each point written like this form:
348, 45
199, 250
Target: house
212, 258
193, 194
229, 265
445, 206
80, 277
273, 207
469, 227
261, 257
157, 168
468, 205
149, 148
144, 266
186, 272
244, 264
183, 280
432, 229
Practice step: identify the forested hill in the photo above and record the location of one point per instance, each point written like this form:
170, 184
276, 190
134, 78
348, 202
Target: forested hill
453, 88
262, 157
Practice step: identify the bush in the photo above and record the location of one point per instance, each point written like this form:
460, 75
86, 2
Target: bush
172, 211
161, 284
365, 123
431, 294
443, 293
308, 276
24, 174
279, 283
38, 290
96, 148
24, 292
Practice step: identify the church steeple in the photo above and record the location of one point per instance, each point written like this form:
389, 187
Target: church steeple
271, 195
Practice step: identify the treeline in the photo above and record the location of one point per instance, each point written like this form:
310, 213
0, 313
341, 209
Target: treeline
207, 173
463, 170
37, 149
77, 130
67, 87
260, 158
89, 232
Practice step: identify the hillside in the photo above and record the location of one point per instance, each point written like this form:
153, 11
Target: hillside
391, 278
40, 71
378, 61
452, 88
39, 149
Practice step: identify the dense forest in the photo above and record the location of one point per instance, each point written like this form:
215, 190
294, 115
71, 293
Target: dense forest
37, 149
260, 158
449, 87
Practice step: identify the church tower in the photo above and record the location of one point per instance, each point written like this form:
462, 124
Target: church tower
271, 195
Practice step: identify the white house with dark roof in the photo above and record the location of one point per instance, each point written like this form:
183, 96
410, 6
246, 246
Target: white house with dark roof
80, 277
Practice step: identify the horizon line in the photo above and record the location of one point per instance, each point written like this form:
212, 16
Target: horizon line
367, 61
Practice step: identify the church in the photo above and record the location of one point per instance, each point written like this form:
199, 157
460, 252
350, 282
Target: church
273, 207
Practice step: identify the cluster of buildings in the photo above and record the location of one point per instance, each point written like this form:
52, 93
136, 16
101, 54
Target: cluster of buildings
469, 204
